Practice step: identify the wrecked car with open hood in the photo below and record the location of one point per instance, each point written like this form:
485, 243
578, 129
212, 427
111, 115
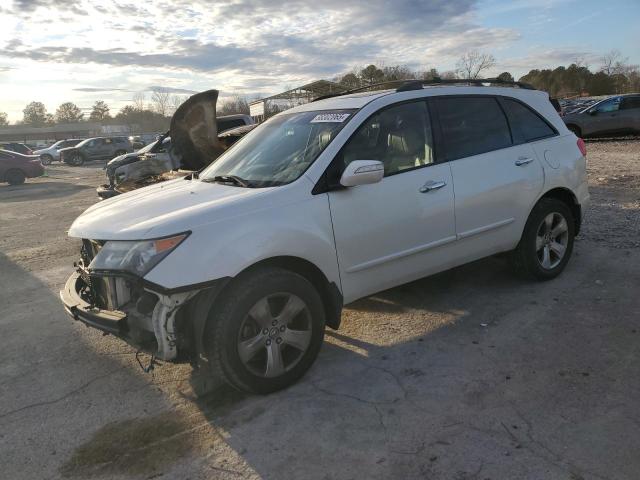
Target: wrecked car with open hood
196, 138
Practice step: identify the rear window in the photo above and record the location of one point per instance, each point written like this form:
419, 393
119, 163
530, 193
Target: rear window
472, 125
526, 124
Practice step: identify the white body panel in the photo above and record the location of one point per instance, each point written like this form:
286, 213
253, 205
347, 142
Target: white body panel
55, 154
389, 232
365, 238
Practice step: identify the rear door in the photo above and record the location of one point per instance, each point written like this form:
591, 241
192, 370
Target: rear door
630, 113
496, 181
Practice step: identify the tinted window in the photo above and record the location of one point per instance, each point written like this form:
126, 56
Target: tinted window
400, 137
526, 124
630, 102
611, 105
472, 125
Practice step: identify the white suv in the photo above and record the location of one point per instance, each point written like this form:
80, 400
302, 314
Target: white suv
239, 269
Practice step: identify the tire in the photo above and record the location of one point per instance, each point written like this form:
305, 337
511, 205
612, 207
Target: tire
76, 160
46, 159
248, 319
15, 177
549, 227
575, 130
118, 153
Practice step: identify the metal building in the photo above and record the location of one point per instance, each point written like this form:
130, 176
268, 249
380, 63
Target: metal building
266, 107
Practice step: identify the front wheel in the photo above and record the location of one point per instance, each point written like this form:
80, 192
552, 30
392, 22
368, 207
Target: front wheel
46, 159
547, 241
266, 332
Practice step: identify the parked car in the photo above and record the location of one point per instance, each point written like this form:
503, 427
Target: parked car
98, 148
16, 147
52, 153
239, 269
15, 167
157, 161
619, 115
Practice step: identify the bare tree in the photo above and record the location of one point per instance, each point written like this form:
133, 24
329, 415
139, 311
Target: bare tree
3, 119
176, 101
472, 63
613, 62
160, 101
139, 100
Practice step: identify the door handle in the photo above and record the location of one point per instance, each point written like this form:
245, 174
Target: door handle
523, 161
431, 185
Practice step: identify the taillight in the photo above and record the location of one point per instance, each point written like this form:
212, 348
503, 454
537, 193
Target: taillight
582, 147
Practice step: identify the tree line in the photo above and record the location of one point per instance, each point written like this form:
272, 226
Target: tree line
614, 75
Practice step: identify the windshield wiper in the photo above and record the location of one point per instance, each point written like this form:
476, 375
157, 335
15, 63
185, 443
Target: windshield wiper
228, 179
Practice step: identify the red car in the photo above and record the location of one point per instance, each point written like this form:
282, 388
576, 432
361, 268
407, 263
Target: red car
15, 167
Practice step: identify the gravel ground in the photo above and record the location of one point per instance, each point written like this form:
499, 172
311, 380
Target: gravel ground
470, 374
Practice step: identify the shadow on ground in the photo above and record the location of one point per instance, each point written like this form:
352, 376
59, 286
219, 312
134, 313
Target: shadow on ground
43, 190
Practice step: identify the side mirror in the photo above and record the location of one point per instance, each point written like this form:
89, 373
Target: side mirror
362, 172
593, 112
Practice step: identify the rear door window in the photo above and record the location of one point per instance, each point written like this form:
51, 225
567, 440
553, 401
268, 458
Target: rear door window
472, 125
630, 103
526, 125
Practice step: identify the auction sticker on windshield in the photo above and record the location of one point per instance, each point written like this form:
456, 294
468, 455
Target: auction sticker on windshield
330, 118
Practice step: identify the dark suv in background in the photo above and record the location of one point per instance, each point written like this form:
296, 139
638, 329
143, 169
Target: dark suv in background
619, 115
97, 148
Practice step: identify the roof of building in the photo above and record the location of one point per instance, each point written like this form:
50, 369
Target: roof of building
315, 89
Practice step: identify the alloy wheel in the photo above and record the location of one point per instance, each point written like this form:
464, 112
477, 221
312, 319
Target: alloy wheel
275, 334
552, 239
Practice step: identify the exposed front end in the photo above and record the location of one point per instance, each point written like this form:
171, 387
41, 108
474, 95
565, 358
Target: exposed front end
123, 304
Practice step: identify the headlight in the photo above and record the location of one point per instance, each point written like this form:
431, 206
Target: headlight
137, 257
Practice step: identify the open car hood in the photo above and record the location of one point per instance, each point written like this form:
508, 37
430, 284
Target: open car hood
194, 131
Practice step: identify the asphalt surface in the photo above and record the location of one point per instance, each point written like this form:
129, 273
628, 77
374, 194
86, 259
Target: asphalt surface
470, 374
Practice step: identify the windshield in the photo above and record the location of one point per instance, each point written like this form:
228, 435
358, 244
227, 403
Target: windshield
84, 142
278, 151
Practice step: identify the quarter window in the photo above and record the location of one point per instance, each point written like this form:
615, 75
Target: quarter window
472, 125
400, 137
526, 124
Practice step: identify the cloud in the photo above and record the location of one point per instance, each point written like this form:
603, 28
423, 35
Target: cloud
99, 89
155, 88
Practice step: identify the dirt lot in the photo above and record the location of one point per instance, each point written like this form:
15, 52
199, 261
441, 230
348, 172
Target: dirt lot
412, 386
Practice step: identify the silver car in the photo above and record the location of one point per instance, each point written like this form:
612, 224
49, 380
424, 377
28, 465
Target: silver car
619, 115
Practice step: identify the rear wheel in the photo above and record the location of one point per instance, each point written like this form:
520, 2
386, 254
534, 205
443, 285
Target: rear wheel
46, 159
266, 332
547, 242
15, 177
76, 159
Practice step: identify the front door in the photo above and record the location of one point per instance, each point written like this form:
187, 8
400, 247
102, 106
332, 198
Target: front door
604, 118
390, 232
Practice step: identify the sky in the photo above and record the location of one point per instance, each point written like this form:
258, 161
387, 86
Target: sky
55, 51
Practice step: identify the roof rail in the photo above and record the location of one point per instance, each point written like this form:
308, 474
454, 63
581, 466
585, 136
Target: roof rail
415, 84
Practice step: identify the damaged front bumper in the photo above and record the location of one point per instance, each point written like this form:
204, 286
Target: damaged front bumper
146, 319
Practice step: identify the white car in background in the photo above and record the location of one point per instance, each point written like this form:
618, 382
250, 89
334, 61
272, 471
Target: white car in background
52, 153
240, 268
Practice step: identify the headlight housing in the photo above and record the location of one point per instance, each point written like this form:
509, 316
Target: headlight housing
136, 257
